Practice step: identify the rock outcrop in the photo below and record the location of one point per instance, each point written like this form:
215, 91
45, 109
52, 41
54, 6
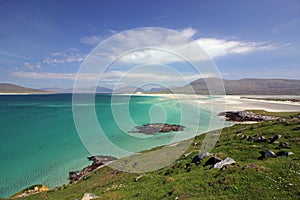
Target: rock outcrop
224, 163
85, 172
151, 129
244, 116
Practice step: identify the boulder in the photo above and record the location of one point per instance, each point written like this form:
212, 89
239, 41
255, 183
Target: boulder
283, 144
267, 154
204, 155
275, 138
284, 153
244, 137
243, 116
212, 161
227, 161
89, 196
261, 139
196, 159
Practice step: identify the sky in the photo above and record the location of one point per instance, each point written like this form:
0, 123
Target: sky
44, 43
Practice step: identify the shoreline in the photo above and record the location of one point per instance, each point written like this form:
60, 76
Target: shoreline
233, 102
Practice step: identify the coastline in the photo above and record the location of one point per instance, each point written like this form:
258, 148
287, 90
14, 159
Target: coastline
170, 146
235, 103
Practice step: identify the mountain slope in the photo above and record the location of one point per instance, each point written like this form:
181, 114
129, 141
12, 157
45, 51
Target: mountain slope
242, 87
11, 88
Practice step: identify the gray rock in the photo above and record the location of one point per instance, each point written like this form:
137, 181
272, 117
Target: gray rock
196, 159
244, 137
227, 161
284, 153
89, 196
261, 139
275, 138
204, 155
212, 161
269, 154
139, 177
283, 144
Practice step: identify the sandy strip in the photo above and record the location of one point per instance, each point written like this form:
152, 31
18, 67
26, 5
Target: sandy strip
235, 103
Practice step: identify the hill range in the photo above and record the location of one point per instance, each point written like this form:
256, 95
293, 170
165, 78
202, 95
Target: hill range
248, 86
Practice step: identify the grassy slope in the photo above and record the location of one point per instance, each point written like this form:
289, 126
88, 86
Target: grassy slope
280, 178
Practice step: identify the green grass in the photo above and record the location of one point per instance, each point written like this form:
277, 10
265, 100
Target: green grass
278, 178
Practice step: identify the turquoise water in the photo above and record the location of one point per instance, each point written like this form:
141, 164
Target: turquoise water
40, 143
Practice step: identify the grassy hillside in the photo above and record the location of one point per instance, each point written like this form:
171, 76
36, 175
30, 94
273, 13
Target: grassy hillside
249, 178
11, 88
241, 87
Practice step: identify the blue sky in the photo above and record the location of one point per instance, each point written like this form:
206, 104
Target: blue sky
43, 43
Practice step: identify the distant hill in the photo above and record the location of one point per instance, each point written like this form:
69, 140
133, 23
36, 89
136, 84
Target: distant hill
128, 89
248, 86
81, 90
11, 88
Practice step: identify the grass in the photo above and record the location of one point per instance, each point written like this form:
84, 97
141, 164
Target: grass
277, 178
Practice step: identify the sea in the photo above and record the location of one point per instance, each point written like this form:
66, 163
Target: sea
41, 142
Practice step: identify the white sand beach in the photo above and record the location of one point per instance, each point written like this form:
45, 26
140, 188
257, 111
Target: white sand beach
235, 102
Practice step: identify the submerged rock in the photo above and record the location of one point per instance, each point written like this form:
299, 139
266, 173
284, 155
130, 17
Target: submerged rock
151, 129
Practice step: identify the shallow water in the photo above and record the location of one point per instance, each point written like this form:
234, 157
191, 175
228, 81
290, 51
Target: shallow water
40, 143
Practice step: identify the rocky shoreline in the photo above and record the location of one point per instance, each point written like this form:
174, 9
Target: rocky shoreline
245, 116
98, 161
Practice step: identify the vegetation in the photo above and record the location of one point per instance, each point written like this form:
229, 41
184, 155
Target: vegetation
273, 99
272, 178
10, 88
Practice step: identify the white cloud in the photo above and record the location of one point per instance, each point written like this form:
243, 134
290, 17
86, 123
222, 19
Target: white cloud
91, 40
28, 65
62, 57
188, 32
221, 47
31, 66
192, 50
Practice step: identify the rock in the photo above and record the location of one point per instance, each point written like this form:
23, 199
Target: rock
196, 159
283, 144
103, 159
89, 196
84, 173
284, 153
267, 154
261, 139
227, 161
212, 161
243, 116
254, 166
151, 129
244, 137
204, 155
139, 177
250, 139
297, 128
275, 138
